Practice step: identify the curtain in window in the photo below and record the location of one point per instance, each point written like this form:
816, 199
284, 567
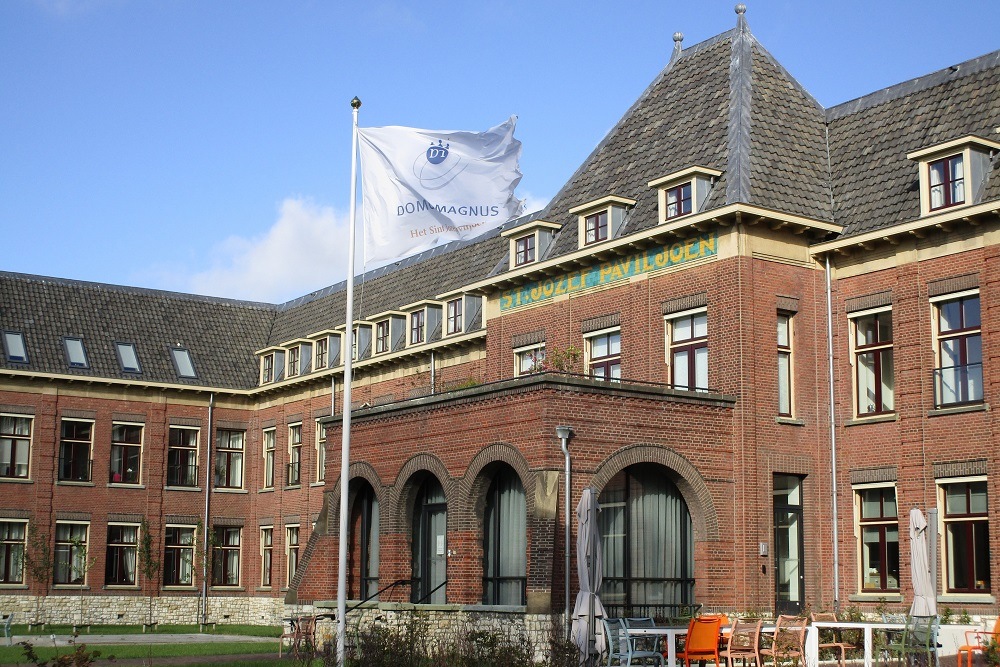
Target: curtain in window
129, 535
505, 541
372, 565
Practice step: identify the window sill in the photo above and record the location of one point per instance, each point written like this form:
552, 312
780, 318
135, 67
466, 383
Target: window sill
14, 587
68, 482
790, 421
967, 598
228, 490
322, 483
122, 587
120, 485
231, 589
262, 589
17, 480
875, 597
70, 587
176, 589
195, 489
959, 409
269, 489
860, 420
291, 487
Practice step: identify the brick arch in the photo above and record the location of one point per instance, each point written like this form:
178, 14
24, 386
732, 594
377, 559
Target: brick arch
401, 495
690, 483
478, 476
360, 470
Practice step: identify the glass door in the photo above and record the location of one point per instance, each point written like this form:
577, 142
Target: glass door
789, 579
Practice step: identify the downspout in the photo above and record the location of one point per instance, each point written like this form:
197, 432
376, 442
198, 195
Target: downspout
208, 491
833, 442
433, 374
564, 433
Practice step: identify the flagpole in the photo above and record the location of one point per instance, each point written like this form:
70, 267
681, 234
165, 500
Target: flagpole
345, 446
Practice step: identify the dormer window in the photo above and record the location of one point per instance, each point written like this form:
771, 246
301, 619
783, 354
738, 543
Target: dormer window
416, 327
272, 365
267, 368
952, 173
595, 227
453, 324
684, 192
293, 361
601, 219
529, 242
524, 250
381, 336
322, 352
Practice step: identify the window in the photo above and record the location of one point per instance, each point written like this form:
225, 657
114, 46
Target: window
966, 534
293, 360
292, 551
595, 227
226, 557
267, 368
524, 250
416, 327
128, 358
76, 353
879, 539
960, 351
15, 446
648, 544
74, 451
178, 556
70, 556
784, 364
120, 562
505, 541
268, 440
873, 363
182, 457
13, 343
266, 551
320, 452
229, 459
530, 359
182, 362
381, 336
689, 350
322, 352
430, 549
12, 536
294, 477
126, 453
605, 355
454, 322
365, 528
947, 182
678, 200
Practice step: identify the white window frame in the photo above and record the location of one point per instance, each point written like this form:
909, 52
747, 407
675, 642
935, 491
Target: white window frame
788, 350
411, 319
294, 448
267, 550
180, 548
856, 490
536, 352
86, 554
294, 355
243, 454
107, 554
222, 548
269, 461
881, 348
669, 324
588, 340
938, 336
16, 437
142, 452
452, 317
321, 357
90, 452
944, 522
197, 448
24, 549
289, 570
320, 453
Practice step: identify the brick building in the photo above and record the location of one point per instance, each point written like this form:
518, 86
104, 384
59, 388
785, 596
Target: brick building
767, 323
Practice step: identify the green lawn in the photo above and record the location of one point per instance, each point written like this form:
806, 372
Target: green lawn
14, 654
247, 630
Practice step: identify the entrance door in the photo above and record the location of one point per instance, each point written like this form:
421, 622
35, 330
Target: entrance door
789, 578
430, 545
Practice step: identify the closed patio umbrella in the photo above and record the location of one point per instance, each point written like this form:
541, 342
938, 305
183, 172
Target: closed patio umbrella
924, 598
589, 566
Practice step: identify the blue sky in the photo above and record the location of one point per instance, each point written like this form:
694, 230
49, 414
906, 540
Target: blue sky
204, 146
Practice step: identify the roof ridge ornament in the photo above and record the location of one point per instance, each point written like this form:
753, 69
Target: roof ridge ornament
741, 22
678, 46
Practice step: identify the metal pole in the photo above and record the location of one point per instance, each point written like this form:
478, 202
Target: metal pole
208, 491
833, 442
345, 446
564, 433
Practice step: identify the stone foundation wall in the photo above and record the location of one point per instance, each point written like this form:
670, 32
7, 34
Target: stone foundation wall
134, 610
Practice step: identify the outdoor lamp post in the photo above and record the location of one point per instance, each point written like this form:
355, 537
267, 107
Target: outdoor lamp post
564, 433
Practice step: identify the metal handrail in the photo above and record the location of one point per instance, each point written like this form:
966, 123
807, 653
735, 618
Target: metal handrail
431, 592
377, 593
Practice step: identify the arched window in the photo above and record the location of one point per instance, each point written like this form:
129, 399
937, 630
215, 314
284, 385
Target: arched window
648, 544
505, 541
365, 531
430, 544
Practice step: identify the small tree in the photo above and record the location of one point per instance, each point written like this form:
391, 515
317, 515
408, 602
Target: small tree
148, 564
38, 563
80, 562
561, 360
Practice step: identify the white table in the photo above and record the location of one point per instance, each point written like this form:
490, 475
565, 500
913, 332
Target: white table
670, 634
812, 637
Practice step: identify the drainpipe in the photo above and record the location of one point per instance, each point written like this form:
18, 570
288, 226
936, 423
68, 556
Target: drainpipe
208, 491
433, 374
564, 433
833, 442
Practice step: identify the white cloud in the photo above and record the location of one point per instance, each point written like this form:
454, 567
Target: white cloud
303, 251
533, 203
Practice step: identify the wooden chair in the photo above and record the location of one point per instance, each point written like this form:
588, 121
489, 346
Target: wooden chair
838, 644
788, 642
976, 641
302, 635
702, 642
743, 643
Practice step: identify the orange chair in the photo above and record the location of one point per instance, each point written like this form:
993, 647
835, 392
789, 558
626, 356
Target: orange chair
702, 642
975, 640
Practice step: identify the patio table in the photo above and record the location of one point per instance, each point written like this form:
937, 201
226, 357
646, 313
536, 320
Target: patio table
670, 633
812, 637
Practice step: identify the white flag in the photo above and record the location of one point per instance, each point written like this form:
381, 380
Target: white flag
423, 188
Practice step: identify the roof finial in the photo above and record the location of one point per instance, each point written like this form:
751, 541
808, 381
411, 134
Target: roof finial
678, 38
741, 19
741, 9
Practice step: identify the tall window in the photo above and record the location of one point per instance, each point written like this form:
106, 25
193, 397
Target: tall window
967, 537
505, 542
604, 358
320, 452
430, 548
178, 556
293, 361
226, 557
648, 544
229, 459
70, 555
879, 532
268, 441
267, 368
595, 227
678, 200
322, 351
947, 182
960, 351
15, 446
126, 453
689, 350
454, 319
873, 363
416, 327
294, 455
784, 364
12, 536
364, 533
266, 553
524, 250
74, 451
292, 551
182, 457
381, 336
120, 561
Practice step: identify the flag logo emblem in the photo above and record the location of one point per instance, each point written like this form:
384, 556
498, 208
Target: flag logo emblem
438, 154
